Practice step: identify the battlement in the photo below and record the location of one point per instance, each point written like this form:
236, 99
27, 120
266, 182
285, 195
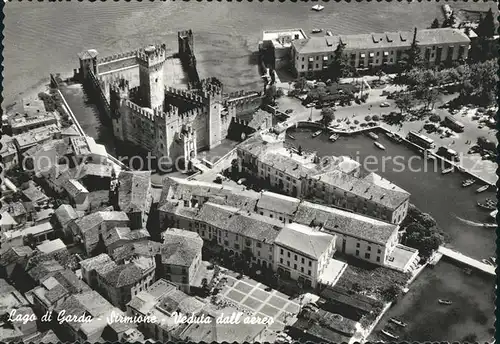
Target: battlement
108, 59
185, 94
185, 33
120, 86
150, 114
191, 114
152, 55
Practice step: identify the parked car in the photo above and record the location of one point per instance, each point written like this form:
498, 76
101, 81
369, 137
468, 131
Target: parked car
385, 104
288, 111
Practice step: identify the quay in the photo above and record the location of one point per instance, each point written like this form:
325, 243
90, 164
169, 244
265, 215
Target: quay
461, 258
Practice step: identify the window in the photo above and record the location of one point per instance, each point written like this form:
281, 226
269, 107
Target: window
357, 244
281, 260
259, 245
369, 248
309, 272
310, 263
302, 58
237, 246
287, 263
271, 215
288, 254
302, 260
379, 251
281, 251
302, 269
357, 252
302, 67
317, 66
367, 255
378, 259
295, 257
295, 266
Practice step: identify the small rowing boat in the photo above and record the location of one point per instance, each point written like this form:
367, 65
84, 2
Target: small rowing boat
390, 335
379, 145
487, 262
291, 136
397, 322
333, 137
468, 182
482, 188
317, 30
447, 170
318, 8
487, 205
316, 133
445, 302
373, 135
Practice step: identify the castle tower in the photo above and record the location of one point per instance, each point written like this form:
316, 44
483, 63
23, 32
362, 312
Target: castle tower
185, 42
212, 94
151, 76
88, 62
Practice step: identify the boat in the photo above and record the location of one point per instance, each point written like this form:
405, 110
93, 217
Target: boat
445, 302
468, 182
398, 322
290, 136
333, 137
316, 133
318, 8
379, 145
487, 205
493, 214
487, 262
373, 135
493, 260
447, 170
317, 30
482, 188
390, 335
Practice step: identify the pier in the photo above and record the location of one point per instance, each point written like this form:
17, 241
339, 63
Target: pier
461, 258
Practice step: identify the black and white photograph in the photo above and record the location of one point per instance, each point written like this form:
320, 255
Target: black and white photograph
249, 171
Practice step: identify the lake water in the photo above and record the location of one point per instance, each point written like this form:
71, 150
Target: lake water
43, 37
442, 196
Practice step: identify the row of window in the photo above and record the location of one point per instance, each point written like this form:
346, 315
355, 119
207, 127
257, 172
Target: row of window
368, 248
367, 256
282, 252
295, 267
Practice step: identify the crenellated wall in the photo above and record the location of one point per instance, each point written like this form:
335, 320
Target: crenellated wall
116, 62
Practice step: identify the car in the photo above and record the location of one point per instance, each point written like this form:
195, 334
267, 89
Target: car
385, 104
289, 111
241, 181
310, 105
318, 106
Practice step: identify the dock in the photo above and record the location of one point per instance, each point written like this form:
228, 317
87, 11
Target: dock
461, 258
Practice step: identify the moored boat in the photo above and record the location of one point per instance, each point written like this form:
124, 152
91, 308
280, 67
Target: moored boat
493, 260
447, 170
487, 262
397, 322
390, 335
379, 145
493, 214
468, 182
487, 205
316, 133
333, 137
317, 8
482, 188
373, 135
445, 302
290, 136
317, 30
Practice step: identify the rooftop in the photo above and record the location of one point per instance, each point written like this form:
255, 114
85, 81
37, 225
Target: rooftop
35, 230
340, 221
279, 203
94, 262
124, 275
92, 220
74, 187
51, 246
180, 247
65, 214
134, 191
304, 239
35, 136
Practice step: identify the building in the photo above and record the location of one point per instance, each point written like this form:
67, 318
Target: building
64, 215
149, 110
119, 236
51, 246
276, 46
77, 193
8, 151
10, 300
334, 180
302, 253
118, 283
13, 258
36, 137
162, 300
180, 256
32, 116
134, 197
92, 228
311, 56
7, 222
85, 149
40, 233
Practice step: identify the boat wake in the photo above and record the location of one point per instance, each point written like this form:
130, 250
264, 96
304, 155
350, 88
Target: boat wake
475, 224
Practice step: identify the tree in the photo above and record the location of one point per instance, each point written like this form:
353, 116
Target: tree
413, 56
299, 150
380, 73
486, 27
435, 24
300, 84
339, 68
390, 293
404, 101
29, 240
328, 115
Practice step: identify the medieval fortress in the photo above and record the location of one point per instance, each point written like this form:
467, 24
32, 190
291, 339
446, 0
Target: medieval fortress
157, 117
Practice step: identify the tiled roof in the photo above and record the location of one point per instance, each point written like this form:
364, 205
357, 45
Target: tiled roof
303, 239
103, 171
124, 233
94, 262
340, 221
51, 246
74, 187
65, 214
7, 219
14, 255
278, 203
389, 40
45, 268
94, 219
180, 247
123, 275
134, 191
145, 248
388, 198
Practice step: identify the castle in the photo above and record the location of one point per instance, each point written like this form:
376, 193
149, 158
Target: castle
167, 121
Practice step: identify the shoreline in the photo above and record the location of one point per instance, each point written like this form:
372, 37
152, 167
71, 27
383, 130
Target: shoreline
30, 93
